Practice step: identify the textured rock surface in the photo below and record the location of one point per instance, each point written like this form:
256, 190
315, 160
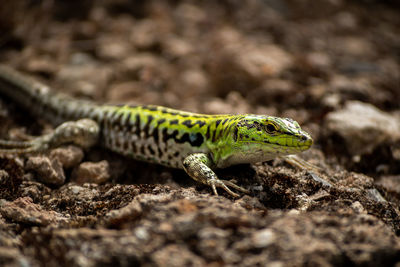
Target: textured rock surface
363, 127
24, 211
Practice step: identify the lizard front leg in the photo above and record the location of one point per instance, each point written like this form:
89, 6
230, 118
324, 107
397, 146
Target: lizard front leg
199, 167
84, 133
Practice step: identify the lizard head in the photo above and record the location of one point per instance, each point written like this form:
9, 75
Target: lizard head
257, 138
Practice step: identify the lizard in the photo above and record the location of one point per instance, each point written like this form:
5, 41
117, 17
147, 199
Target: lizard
197, 143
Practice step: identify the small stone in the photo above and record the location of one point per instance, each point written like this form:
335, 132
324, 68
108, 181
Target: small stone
124, 91
375, 195
140, 61
234, 104
141, 233
75, 189
69, 156
319, 60
41, 65
196, 80
363, 127
176, 47
353, 46
331, 100
46, 170
165, 227
396, 151
263, 60
358, 207
212, 233
129, 212
114, 47
356, 87
320, 180
80, 194
86, 78
244, 64
145, 34
92, 172
263, 238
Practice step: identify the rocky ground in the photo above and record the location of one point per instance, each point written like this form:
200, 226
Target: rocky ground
334, 66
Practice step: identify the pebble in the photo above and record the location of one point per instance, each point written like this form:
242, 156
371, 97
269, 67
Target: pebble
363, 127
127, 213
92, 172
375, 195
69, 156
46, 170
243, 64
263, 238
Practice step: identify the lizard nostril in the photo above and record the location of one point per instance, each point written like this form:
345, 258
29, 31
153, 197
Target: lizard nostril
305, 137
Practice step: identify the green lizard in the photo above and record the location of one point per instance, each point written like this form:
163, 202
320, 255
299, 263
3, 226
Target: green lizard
195, 142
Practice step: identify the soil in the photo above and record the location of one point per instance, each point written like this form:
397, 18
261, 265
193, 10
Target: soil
333, 66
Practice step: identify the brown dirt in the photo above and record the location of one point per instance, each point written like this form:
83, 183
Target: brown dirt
298, 59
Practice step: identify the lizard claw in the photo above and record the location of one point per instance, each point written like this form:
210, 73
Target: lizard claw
198, 166
214, 183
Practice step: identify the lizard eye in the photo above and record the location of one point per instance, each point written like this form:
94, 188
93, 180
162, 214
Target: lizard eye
270, 128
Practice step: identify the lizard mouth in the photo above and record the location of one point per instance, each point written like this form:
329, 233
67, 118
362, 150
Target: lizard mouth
302, 141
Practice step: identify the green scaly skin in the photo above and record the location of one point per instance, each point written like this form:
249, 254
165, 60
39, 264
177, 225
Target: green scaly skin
195, 142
